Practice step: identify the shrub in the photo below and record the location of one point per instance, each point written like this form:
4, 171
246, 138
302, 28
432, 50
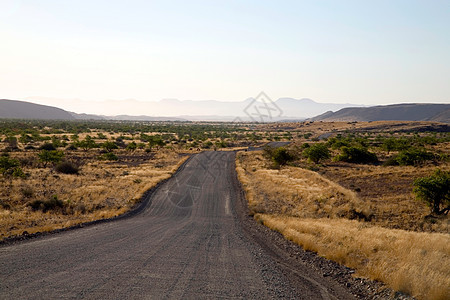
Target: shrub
109, 146
11, 141
66, 168
27, 192
109, 156
18, 172
356, 155
207, 145
338, 142
46, 205
132, 146
317, 152
413, 157
87, 143
10, 167
7, 164
281, 156
435, 191
221, 144
52, 156
48, 147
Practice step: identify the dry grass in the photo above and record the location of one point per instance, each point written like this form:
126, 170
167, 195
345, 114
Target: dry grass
319, 127
101, 190
411, 262
293, 191
314, 212
387, 193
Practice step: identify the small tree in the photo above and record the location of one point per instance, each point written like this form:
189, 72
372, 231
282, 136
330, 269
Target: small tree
109, 146
389, 145
413, 157
87, 143
356, 155
12, 142
281, 156
132, 146
50, 156
10, 167
435, 191
108, 156
317, 152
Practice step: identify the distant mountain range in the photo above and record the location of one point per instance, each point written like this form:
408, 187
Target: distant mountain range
284, 109
250, 109
396, 112
13, 109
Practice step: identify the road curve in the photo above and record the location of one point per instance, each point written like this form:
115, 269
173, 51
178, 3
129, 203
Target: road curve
187, 243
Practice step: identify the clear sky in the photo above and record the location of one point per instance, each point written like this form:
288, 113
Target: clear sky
367, 52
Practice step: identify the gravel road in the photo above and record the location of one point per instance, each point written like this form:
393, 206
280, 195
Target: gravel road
192, 240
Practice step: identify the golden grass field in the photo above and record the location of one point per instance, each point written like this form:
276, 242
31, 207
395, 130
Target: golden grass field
415, 263
101, 190
315, 211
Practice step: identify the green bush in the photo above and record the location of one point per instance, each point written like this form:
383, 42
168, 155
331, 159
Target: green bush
10, 167
356, 155
413, 156
132, 146
317, 152
109, 156
50, 156
305, 145
337, 143
66, 168
86, 144
7, 164
207, 145
435, 191
281, 156
109, 146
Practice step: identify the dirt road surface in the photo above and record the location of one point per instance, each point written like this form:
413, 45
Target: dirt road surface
189, 242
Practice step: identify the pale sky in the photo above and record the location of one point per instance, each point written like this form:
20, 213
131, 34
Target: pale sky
366, 52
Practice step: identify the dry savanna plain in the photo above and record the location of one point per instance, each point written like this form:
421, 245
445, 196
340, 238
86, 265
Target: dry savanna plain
345, 191
58, 174
341, 189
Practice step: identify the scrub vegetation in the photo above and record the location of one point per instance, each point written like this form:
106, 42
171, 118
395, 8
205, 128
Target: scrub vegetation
56, 174
372, 198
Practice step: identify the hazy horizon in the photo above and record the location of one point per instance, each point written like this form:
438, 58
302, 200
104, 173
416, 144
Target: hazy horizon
353, 52
164, 107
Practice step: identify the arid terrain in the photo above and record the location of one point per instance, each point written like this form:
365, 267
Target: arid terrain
57, 174
343, 189
362, 214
